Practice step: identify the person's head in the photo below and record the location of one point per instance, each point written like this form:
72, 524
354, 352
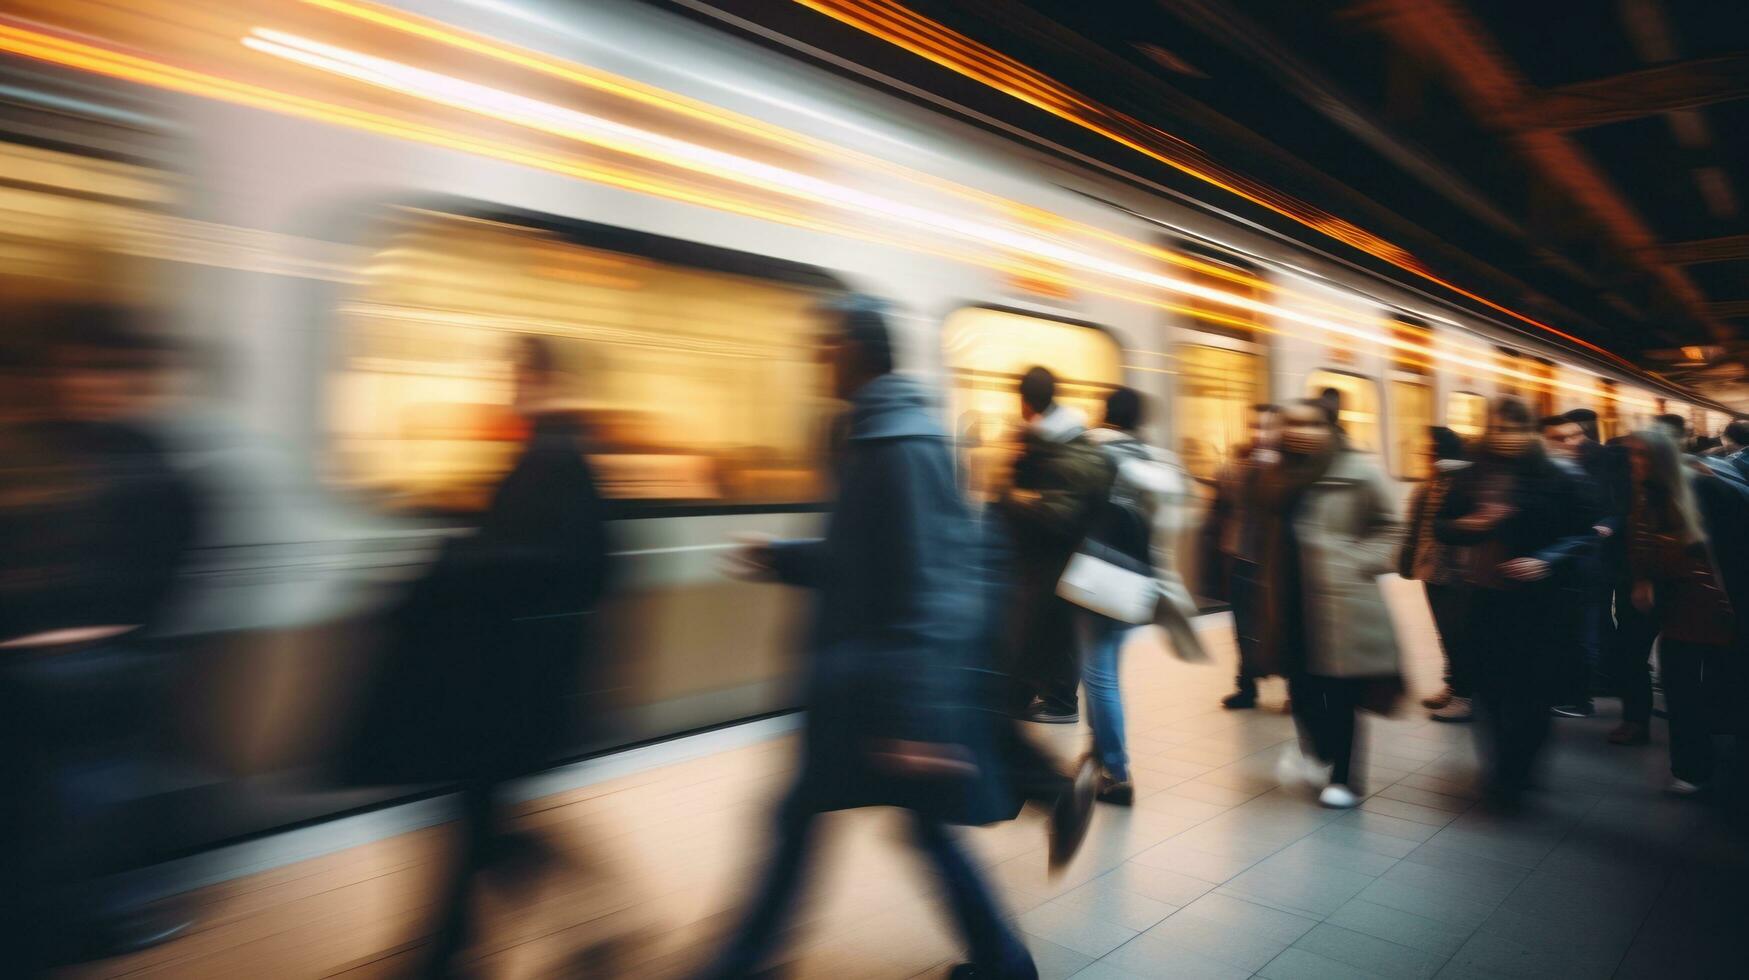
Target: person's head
1561, 435
1674, 426
1737, 435
1038, 392
1447, 444
1587, 420
1509, 429
1306, 428
1661, 476
535, 373
1265, 425
1124, 410
1331, 399
855, 343
103, 364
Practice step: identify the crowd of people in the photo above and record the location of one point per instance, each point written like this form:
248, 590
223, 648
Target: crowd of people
1553, 565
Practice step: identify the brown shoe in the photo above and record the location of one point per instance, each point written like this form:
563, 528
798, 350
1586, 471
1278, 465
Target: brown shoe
1630, 733
1118, 792
1073, 814
1437, 701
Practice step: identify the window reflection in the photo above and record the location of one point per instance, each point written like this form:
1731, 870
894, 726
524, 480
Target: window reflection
1411, 415
696, 386
1360, 406
1217, 389
1466, 413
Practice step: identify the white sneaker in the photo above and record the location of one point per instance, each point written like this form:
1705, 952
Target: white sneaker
1682, 787
1338, 797
1295, 769
1455, 710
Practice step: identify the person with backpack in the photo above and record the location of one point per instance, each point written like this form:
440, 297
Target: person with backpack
1146, 505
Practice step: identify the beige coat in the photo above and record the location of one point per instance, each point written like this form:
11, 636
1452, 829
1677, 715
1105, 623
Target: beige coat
1348, 535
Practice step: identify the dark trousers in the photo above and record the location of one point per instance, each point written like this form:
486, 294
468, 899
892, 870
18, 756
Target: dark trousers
1324, 711
478, 832
1687, 670
1630, 657
1047, 654
1243, 589
1515, 664
1450, 605
980, 919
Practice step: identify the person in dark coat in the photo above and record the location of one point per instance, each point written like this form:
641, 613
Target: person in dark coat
1565, 444
898, 713
1524, 524
1232, 527
502, 623
1439, 567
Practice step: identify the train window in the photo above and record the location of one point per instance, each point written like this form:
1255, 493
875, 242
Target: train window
1360, 405
987, 350
696, 386
1609, 416
1466, 413
1411, 415
1542, 391
1217, 388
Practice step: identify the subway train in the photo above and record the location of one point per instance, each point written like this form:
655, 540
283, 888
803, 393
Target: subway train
343, 213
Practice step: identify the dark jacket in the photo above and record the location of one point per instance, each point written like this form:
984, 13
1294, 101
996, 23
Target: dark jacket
894, 645
488, 653
1551, 519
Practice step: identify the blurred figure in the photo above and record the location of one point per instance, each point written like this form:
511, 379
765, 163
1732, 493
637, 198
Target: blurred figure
1674, 426
1523, 522
1729, 460
1059, 479
1231, 526
1564, 441
95, 526
1147, 498
490, 646
1677, 583
1331, 399
1325, 534
1587, 420
894, 712
1440, 567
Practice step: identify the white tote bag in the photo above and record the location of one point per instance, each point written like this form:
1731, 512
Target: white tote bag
1110, 583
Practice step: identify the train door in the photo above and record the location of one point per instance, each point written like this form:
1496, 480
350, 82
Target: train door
986, 351
1410, 401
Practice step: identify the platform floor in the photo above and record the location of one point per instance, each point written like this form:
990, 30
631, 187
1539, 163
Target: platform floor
1217, 872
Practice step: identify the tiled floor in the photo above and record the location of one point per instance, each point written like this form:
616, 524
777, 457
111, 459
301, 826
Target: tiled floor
1217, 872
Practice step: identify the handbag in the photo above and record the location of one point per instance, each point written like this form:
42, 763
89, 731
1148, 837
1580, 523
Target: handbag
1111, 583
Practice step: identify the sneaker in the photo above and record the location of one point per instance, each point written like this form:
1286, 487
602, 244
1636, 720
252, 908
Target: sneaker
1240, 701
1073, 814
1338, 797
1582, 710
1117, 792
1295, 769
1045, 714
1440, 700
1630, 733
1457, 710
1682, 787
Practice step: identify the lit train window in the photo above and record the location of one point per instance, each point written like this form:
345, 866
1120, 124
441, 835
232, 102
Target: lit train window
1217, 388
987, 351
695, 385
1360, 405
1609, 422
1411, 415
1466, 413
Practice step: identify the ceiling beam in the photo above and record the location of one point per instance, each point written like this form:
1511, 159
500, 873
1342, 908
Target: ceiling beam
1634, 94
1726, 249
1729, 308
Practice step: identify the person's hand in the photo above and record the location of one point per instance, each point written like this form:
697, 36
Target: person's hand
1643, 596
1525, 569
1603, 530
751, 559
1484, 518
921, 759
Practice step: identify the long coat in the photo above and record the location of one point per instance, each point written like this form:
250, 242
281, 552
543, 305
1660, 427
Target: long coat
1348, 536
895, 652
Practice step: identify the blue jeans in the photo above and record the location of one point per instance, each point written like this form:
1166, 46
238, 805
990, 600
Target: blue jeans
994, 949
1102, 642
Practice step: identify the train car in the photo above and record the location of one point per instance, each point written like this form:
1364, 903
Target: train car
346, 211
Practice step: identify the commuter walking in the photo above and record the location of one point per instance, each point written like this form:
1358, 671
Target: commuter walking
1564, 441
1440, 568
1148, 497
1232, 528
1059, 479
1523, 522
894, 713
1326, 532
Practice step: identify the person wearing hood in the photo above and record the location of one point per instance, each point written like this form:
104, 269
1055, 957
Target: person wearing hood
1149, 497
1059, 480
1326, 532
1525, 525
897, 714
1439, 567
